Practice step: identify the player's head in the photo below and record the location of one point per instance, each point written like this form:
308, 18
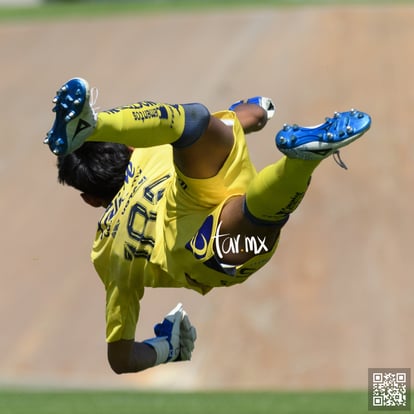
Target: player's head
97, 170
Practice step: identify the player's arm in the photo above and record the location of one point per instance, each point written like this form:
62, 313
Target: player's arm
130, 356
174, 341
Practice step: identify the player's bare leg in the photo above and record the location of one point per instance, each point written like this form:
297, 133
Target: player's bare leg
206, 156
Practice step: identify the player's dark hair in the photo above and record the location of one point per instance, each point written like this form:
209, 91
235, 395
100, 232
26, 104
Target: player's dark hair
96, 168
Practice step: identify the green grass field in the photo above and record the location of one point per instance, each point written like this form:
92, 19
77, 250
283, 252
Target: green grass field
126, 402
81, 8
15, 402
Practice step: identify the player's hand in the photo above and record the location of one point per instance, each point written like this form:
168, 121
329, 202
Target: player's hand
188, 335
169, 328
174, 337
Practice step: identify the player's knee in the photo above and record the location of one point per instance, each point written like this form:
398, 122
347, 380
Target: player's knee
197, 118
256, 118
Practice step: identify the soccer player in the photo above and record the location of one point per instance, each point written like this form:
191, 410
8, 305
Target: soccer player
184, 206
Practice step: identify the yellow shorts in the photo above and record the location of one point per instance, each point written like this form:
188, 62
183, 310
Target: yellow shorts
192, 220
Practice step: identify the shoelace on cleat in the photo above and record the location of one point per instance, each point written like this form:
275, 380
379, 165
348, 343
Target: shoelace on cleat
93, 98
337, 157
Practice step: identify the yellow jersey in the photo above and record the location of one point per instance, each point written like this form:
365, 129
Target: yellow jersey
160, 228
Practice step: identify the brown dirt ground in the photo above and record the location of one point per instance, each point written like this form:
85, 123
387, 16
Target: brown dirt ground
338, 296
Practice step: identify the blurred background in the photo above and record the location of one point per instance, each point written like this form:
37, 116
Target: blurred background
336, 299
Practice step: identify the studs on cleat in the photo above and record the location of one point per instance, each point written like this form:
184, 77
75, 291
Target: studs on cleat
283, 141
69, 102
354, 112
325, 139
70, 116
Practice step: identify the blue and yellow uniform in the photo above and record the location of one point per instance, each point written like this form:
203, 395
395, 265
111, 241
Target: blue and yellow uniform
160, 230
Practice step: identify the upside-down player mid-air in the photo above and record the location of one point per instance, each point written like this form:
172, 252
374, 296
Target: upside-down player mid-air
184, 206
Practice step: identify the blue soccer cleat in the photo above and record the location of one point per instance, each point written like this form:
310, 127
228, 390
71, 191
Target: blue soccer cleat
75, 117
265, 103
321, 141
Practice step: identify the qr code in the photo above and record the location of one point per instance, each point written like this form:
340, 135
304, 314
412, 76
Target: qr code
389, 389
